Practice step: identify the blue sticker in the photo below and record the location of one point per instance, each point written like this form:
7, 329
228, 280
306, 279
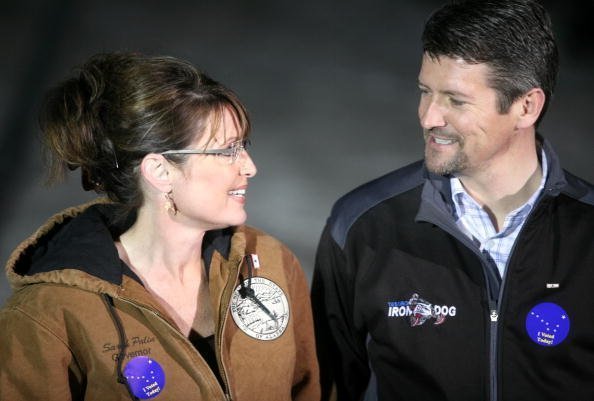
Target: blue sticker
145, 376
547, 324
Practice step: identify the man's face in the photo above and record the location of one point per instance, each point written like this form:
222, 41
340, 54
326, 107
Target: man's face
464, 132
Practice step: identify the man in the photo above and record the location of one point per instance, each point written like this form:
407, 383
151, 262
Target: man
467, 276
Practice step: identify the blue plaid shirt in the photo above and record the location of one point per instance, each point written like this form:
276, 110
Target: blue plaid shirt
476, 223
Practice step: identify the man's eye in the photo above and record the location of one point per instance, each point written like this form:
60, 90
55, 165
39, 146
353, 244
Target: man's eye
456, 102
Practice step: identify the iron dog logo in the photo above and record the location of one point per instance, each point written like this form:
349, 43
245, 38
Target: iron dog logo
419, 310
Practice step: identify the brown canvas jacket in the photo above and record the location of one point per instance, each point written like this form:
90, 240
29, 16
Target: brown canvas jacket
67, 326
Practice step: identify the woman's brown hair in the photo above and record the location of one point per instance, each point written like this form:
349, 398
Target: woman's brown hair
120, 107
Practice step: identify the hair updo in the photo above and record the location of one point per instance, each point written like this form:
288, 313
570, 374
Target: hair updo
120, 107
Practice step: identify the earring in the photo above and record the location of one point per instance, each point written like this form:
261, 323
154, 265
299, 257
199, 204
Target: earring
170, 204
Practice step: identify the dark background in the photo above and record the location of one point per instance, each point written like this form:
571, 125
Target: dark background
330, 85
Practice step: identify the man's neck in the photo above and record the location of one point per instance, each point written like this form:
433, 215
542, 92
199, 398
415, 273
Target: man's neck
502, 190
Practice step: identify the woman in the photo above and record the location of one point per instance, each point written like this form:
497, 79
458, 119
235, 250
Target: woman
161, 291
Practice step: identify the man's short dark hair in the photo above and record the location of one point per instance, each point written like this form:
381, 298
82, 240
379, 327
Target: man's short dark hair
513, 37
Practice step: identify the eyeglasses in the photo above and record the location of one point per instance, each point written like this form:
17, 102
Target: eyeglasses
226, 156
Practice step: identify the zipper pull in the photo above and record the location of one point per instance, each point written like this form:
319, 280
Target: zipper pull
494, 316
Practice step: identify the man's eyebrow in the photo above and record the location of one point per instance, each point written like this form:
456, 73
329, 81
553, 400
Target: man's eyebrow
448, 92
456, 94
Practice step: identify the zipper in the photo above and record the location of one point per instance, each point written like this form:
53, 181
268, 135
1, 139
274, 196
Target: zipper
177, 333
219, 338
447, 226
494, 317
219, 350
495, 309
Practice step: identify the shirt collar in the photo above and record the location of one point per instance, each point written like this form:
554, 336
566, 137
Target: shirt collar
462, 200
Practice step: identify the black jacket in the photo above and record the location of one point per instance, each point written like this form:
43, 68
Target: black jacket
408, 308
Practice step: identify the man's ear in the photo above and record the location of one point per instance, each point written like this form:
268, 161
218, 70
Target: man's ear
530, 106
157, 172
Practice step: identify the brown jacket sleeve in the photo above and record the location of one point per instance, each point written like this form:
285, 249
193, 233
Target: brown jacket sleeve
34, 363
306, 382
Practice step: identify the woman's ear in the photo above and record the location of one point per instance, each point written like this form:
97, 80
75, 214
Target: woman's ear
531, 105
157, 171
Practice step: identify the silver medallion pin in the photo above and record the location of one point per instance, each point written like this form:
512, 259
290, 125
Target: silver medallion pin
260, 308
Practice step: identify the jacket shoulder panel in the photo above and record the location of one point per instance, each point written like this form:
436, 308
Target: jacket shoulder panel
579, 189
50, 304
355, 203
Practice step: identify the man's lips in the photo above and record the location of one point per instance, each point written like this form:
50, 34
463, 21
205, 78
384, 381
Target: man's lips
441, 139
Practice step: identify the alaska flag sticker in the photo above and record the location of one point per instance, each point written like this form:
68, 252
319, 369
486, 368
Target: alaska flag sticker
145, 377
547, 324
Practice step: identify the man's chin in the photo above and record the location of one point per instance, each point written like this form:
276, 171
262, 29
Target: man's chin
437, 164
444, 168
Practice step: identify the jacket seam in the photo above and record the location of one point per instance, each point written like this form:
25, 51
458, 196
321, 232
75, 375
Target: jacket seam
46, 328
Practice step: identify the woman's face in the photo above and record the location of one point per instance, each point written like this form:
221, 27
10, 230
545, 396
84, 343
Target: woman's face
209, 191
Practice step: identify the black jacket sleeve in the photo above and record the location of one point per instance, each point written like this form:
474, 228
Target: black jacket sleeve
340, 345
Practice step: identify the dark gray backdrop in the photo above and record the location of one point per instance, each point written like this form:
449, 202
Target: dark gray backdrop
330, 85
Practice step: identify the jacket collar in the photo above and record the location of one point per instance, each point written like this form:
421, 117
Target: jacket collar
81, 238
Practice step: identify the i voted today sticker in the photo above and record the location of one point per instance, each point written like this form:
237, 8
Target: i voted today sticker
547, 324
145, 376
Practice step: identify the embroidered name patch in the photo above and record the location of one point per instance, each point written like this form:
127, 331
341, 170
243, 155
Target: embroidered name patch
145, 377
547, 324
260, 308
418, 311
